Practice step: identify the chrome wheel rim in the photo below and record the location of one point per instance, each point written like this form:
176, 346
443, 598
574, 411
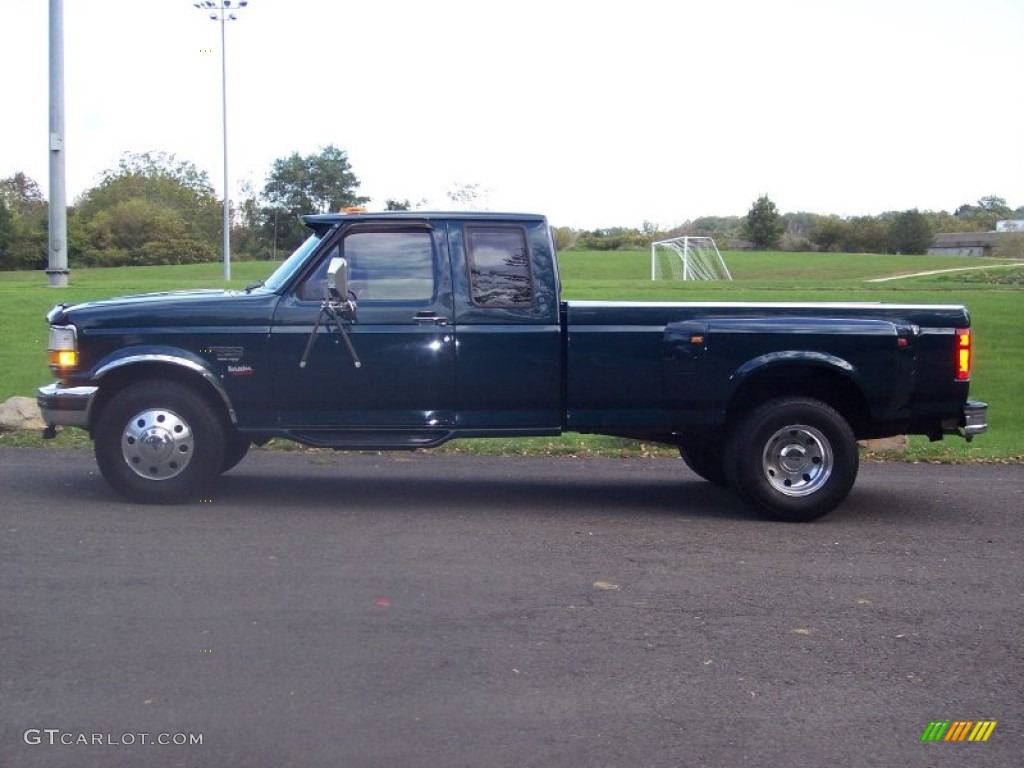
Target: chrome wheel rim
157, 444
797, 460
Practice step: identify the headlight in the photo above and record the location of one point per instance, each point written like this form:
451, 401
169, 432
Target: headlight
63, 349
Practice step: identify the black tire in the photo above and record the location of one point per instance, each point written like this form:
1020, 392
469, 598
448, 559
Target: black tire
704, 458
159, 442
236, 447
793, 459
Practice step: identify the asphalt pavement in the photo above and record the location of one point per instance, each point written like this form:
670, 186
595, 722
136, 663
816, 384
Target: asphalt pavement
411, 610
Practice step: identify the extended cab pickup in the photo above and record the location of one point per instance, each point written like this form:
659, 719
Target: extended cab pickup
404, 330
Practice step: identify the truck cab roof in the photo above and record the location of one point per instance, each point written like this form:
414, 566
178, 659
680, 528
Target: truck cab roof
321, 222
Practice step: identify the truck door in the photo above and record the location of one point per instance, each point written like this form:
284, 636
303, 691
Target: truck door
403, 334
507, 323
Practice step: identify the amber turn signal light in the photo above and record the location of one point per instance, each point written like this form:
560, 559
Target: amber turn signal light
63, 358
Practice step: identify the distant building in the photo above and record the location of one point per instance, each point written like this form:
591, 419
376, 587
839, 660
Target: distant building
1010, 225
965, 243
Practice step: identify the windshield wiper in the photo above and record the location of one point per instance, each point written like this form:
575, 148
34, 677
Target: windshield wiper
253, 286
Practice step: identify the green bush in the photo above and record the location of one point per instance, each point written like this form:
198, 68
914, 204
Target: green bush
1010, 246
179, 251
151, 254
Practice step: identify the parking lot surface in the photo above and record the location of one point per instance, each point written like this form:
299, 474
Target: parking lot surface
328, 609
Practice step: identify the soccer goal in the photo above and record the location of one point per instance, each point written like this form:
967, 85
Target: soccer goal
687, 258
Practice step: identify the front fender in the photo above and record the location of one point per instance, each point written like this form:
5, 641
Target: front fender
163, 355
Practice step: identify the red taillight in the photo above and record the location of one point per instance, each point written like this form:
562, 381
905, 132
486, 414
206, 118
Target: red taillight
964, 354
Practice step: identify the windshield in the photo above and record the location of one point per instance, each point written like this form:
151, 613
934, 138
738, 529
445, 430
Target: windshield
292, 264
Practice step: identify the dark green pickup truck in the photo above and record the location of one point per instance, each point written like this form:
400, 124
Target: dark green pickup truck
404, 330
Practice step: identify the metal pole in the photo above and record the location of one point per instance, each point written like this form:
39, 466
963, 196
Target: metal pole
57, 261
224, 105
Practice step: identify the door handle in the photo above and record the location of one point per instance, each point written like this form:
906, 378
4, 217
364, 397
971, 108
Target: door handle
429, 318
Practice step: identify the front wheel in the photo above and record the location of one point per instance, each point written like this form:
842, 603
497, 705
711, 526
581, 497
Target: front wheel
236, 448
159, 441
793, 459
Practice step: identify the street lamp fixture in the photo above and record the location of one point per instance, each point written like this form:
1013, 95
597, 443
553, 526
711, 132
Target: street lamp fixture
223, 11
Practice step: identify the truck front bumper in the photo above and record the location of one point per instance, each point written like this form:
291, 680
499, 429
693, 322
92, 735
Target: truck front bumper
67, 406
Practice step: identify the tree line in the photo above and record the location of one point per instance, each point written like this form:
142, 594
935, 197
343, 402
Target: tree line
153, 208
764, 227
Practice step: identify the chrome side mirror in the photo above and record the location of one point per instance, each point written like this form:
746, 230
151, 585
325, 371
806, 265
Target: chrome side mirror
337, 279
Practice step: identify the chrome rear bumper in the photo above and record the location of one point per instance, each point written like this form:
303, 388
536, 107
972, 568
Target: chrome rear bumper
975, 418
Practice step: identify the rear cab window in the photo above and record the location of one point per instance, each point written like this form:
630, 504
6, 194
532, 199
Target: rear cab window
499, 266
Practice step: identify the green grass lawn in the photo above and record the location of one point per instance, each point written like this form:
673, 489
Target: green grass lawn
997, 310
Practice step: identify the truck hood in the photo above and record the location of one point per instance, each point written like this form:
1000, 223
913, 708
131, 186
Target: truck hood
208, 306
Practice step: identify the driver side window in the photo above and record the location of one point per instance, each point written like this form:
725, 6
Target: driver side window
387, 266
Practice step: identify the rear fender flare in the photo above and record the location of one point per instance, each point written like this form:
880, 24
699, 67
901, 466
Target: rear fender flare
781, 360
789, 357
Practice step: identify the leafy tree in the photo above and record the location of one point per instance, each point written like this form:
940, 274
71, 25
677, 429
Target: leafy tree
564, 237
23, 224
763, 226
1010, 246
797, 229
23, 197
130, 224
944, 221
994, 204
910, 232
984, 215
23, 243
397, 205
6, 226
164, 181
865, 234
612, 239
799, 224
718, 227
249, 237
149, 197
828, 232
316, 183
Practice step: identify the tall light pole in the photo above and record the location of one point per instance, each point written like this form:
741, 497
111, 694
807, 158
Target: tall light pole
223, 11
57, 259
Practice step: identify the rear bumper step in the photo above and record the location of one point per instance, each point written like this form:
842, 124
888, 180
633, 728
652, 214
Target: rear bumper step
975, 419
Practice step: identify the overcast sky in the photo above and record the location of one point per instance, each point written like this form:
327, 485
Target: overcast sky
595, 113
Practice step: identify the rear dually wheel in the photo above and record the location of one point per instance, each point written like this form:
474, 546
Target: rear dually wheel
703, 455
793, 459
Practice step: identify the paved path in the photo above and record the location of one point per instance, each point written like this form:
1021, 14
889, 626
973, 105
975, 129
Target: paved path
943, 271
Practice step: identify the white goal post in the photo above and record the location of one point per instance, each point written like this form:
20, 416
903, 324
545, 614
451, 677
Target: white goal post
687, 258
